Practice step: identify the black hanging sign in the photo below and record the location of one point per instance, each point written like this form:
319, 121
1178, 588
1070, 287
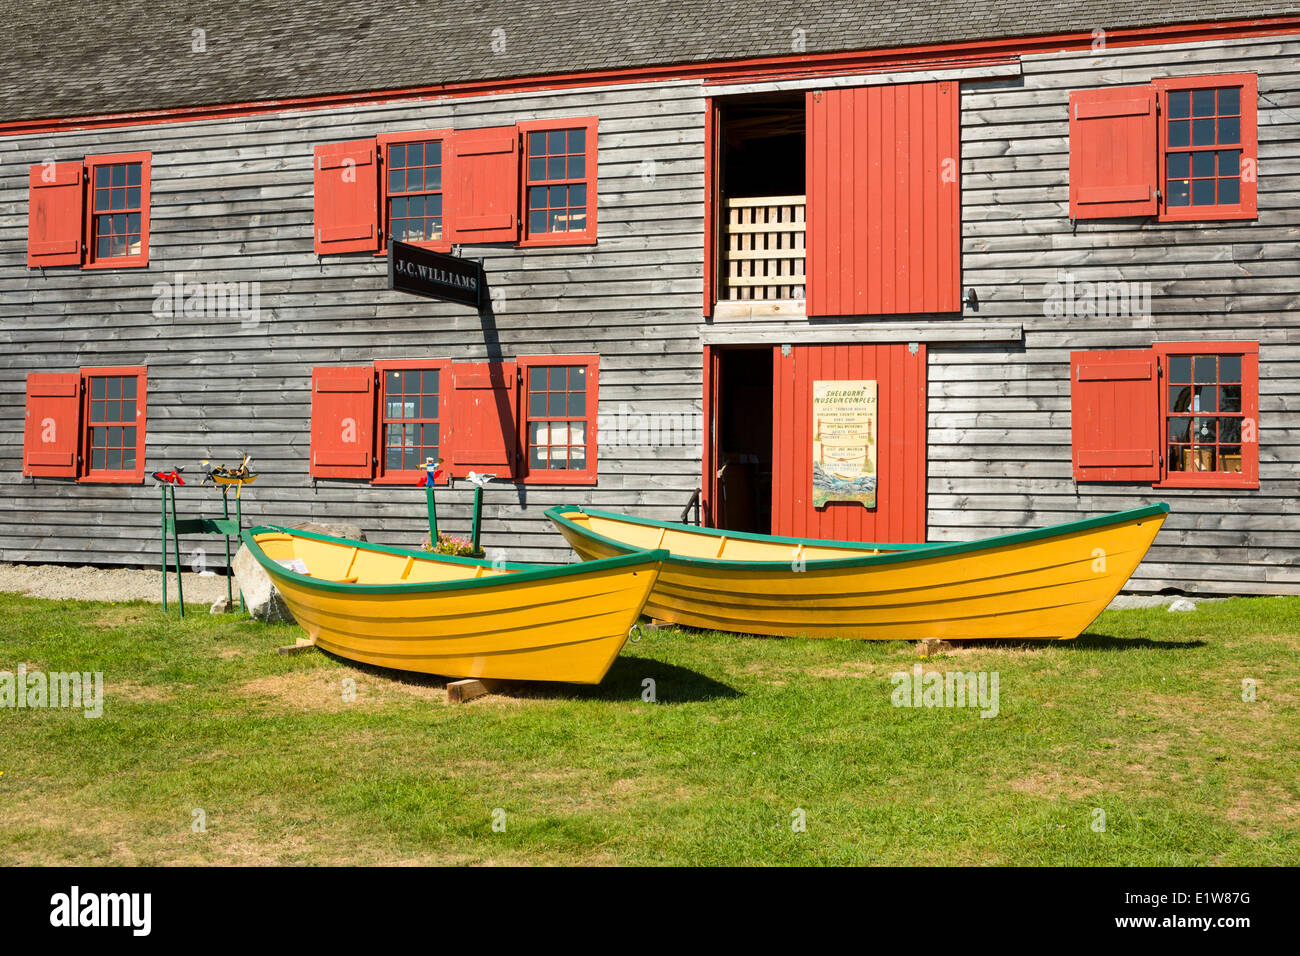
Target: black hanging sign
434, 275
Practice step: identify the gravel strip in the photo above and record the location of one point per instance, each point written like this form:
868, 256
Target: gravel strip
62, 582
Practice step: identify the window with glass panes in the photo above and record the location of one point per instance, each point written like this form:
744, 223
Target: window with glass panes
557, 418
1203, 147
112, 424
411, 428
556, 181
117, 211
1207, 147
1204, 417
414, 181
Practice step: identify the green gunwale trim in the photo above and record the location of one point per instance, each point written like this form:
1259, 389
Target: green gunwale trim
913, 553
743, 535
388, 549
524, 573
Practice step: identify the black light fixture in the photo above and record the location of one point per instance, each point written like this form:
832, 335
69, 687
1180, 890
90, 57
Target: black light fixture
972, 301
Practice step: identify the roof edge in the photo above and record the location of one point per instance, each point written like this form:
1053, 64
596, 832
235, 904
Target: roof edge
965, 52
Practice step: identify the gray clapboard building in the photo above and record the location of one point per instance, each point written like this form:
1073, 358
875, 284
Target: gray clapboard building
1060, 242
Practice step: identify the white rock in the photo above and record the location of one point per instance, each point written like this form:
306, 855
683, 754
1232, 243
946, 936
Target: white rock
263, 601
1182, 604
219, 606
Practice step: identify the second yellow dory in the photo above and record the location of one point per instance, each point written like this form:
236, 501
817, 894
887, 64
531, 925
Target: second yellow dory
1048, 583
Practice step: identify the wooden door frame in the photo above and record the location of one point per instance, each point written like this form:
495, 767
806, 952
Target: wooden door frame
709, 435
712, 200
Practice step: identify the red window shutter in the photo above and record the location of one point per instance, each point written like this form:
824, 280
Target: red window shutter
1113, 152
54, 214
52, 432
884, 190
483, 194
485, 400
1114, 415
346, 182
342, 421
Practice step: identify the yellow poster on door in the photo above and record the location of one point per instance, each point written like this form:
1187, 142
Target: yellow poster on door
844, 442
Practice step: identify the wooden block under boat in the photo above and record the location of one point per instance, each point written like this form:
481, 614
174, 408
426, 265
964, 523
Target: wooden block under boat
460, 691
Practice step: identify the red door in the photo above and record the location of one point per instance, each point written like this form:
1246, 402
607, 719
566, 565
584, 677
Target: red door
900, 374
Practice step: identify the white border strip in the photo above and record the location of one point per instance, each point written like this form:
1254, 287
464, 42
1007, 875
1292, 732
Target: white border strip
766, 333
991, 70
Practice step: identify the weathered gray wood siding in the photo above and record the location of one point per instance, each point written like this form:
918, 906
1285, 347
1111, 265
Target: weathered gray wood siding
1000, 419
232, 201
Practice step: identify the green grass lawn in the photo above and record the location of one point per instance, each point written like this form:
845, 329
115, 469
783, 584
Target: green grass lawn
1142, 718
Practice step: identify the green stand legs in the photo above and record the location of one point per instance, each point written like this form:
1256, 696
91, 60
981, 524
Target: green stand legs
239, 526
176, 546
163, 524
230, 571
174, 527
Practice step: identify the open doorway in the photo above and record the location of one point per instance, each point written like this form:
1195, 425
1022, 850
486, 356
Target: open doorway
763, 145
759, 448
742, 494
760, 177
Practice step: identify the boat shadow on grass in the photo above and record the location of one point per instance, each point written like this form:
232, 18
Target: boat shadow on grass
625, 681
1092, 641
1087, 641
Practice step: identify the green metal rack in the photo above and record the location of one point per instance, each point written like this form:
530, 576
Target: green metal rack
225, 526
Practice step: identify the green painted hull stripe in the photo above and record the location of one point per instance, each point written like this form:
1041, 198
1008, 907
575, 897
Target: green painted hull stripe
524, 573
917, 552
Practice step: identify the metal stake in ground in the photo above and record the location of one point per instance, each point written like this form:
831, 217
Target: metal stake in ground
432, 472
478, 481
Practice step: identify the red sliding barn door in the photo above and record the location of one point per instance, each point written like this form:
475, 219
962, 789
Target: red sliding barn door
900, 374
709, 446
884, 184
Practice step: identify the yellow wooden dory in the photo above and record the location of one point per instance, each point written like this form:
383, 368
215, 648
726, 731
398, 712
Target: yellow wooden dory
1048, 583
458, 617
